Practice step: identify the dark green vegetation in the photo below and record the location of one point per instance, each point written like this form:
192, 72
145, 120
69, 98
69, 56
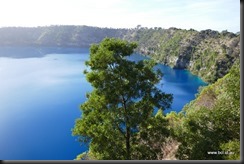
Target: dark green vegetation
118, 122
211, 123
117, 119
208, 54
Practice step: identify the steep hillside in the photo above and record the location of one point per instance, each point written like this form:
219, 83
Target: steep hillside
208, 54
209, 127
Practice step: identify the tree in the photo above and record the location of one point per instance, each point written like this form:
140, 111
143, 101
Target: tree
122, 102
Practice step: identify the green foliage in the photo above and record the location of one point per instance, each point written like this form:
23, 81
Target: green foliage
151, 138
232, 150
121, 105
211, 123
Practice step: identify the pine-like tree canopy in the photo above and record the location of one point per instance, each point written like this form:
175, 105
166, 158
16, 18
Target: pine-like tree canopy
120, 108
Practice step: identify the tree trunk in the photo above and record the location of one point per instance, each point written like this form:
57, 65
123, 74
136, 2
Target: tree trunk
128, 143
128, 157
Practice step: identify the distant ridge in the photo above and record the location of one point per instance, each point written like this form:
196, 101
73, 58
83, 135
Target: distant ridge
78, 36
208, 53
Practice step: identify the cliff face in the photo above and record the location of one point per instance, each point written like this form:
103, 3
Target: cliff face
208, 54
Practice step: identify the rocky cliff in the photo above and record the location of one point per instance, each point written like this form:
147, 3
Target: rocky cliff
208, 54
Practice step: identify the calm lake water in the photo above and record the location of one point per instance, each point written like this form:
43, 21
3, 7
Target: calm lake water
40, 93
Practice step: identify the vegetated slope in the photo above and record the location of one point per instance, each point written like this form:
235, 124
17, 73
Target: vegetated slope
208, 54
209, 126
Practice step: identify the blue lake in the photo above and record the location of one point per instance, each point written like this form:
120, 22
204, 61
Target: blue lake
41, 90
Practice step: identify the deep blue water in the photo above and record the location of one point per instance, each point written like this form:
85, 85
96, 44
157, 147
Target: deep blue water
40, 93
